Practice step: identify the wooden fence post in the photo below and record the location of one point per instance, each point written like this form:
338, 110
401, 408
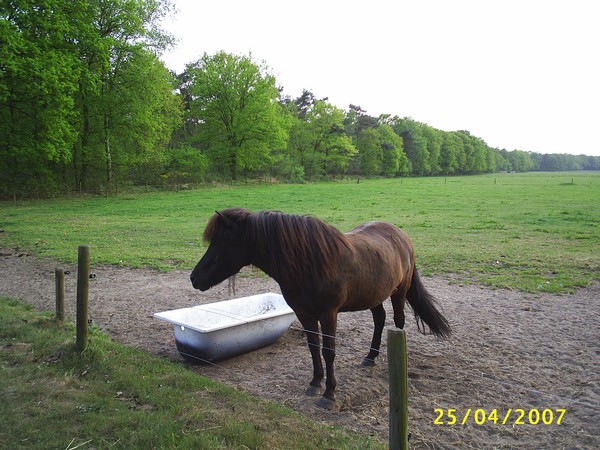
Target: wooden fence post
398, 380
59, 278
83, 284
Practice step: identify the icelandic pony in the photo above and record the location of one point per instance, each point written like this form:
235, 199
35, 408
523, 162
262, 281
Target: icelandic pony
321, 272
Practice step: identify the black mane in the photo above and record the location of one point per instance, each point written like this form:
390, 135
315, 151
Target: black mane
303, 246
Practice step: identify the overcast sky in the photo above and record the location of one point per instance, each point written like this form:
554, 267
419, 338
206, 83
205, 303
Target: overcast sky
521, 74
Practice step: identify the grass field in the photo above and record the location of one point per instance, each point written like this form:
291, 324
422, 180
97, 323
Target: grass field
533, 231
112, 396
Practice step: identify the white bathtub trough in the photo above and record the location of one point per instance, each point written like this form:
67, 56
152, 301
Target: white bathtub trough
216, 331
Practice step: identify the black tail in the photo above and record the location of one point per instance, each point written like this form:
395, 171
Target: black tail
423, 305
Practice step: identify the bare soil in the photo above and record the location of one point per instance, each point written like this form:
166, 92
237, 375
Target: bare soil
509, 350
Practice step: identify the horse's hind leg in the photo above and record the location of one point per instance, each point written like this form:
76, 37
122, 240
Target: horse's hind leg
398, 300
379, 322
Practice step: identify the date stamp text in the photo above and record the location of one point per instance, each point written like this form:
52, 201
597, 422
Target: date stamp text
516, 416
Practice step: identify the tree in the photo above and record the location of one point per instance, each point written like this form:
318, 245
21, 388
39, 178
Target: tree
357, 120
38, 78
370, 149
475, 153
415, 145
394, 161
184, 165
491, 159
141, 112
590, 162
305, 103
79, 84
502, 162
325, 141
449, 151
434, 139
118, 39
520, 161
234, 103
467, 165
300, 150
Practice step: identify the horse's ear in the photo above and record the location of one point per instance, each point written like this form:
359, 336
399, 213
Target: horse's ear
227, 220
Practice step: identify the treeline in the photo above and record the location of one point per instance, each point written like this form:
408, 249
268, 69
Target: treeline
85, 104
83, 97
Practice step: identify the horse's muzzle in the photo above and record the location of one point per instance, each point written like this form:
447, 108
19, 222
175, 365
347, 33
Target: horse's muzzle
197, 284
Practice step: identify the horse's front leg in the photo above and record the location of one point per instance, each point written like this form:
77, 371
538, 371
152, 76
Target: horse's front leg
379, 323
311, 328
328, 328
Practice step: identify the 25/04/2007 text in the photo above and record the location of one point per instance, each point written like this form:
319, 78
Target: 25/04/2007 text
517, 416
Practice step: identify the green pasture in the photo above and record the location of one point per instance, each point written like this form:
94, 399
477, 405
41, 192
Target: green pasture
116, 397
531, 231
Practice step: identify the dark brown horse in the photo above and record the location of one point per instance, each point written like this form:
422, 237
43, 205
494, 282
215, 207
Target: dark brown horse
321, 272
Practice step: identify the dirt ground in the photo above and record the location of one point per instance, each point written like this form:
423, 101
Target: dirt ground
509, 350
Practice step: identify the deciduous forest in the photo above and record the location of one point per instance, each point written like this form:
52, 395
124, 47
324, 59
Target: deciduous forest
86, 105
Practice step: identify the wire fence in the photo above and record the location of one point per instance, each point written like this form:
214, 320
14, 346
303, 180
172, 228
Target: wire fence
344, 347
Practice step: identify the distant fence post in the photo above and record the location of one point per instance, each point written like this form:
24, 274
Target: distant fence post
59, 278
398, 380
83, 284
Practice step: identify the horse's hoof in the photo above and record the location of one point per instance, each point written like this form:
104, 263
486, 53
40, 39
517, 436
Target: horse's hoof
328, 404
366, 362
313, 391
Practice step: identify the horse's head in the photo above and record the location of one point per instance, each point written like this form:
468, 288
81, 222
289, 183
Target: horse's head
227, 252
